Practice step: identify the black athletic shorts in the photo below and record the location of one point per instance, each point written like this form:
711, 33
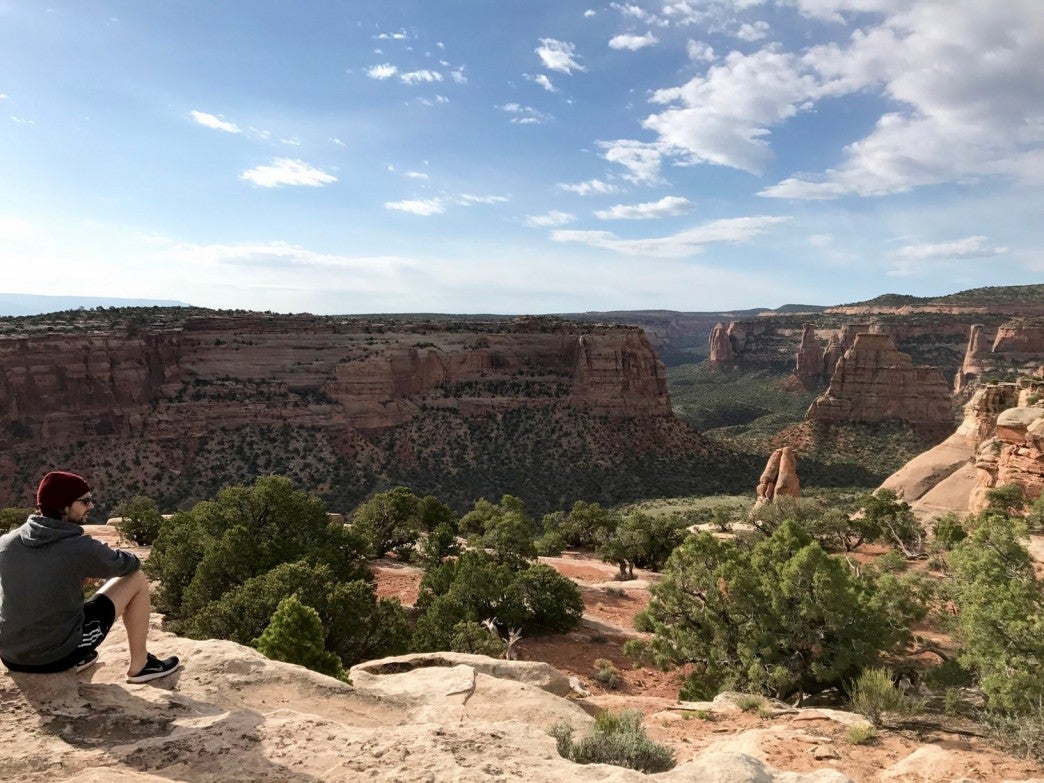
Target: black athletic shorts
99, 614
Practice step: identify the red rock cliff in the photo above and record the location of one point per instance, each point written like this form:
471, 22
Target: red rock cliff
874, 382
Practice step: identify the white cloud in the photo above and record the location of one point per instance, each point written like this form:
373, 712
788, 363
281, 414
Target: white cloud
969, 247
665, 207
422, 76
588, 187
467, 199
285, 171
634, 11
633, 42
425, 207
700, 52
753, 32
3, 96
438, 99
524, 115
558, 56
416, 175
551, 219
458, 76
681, 244
589, 13
18, 120
213, 121
641, 160
542, 80
723, 116
399, 36
383, 71
338, 142
966, 78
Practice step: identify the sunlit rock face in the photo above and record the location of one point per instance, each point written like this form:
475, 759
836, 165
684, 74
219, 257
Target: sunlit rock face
874, 382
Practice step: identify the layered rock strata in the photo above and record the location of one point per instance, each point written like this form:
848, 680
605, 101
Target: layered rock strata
779, 477
874, 382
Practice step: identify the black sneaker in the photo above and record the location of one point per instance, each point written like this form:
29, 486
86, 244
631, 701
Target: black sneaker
89, 660
154, 668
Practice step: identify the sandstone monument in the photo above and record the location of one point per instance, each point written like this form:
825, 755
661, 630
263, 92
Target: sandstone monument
874, 382
779, 477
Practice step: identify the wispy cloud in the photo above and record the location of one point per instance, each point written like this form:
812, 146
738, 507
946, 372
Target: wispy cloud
467, 199
641, 160
286, 171
635, 11
753, 32
524, 115
558, 56
665, 207
458, 76
420, 77
551, 219
399, 36
424, 207
681, 244
699, 51
382, 71
633, 42
542, 80
214, 121
3, 96
969, 247
591, 186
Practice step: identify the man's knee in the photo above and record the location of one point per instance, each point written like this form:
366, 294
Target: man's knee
122, 589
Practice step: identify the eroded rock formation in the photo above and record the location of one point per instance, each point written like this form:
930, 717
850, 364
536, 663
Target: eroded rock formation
1013, 346
874, 382
779, 477
998, 442
721, 351
809, 367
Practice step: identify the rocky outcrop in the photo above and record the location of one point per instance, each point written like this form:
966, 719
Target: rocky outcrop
779, 477
997, 442
1015, 346
809, 367
874, 382
1015, 455
721, 350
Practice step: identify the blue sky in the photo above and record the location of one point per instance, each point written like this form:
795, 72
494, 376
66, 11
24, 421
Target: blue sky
520, 155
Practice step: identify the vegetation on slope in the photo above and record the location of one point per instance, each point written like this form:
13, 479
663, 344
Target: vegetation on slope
994, 294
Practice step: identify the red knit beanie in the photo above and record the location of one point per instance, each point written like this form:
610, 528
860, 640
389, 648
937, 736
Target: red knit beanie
57, 490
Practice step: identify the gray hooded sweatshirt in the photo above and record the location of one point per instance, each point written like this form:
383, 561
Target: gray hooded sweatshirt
42, 567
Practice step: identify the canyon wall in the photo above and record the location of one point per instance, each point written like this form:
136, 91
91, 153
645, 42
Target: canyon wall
337, 402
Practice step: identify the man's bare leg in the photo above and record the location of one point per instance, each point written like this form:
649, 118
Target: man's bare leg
130, 595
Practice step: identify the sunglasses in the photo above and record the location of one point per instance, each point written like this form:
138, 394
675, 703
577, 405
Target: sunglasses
87, 501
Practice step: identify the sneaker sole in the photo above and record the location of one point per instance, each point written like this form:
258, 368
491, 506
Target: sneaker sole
85, 666
140, 678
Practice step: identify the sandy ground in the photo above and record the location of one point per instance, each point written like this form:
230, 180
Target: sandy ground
789, 739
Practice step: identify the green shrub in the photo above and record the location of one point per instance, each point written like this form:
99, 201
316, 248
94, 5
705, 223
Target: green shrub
890, 563
140, 521
749, 702
617, 739
295, 635
551, 544
606, 674
860, 735
10, 518
779, 618
1023, 734
949, 531
873, 696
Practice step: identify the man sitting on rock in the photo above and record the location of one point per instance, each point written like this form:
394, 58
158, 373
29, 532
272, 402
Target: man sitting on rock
45, 625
